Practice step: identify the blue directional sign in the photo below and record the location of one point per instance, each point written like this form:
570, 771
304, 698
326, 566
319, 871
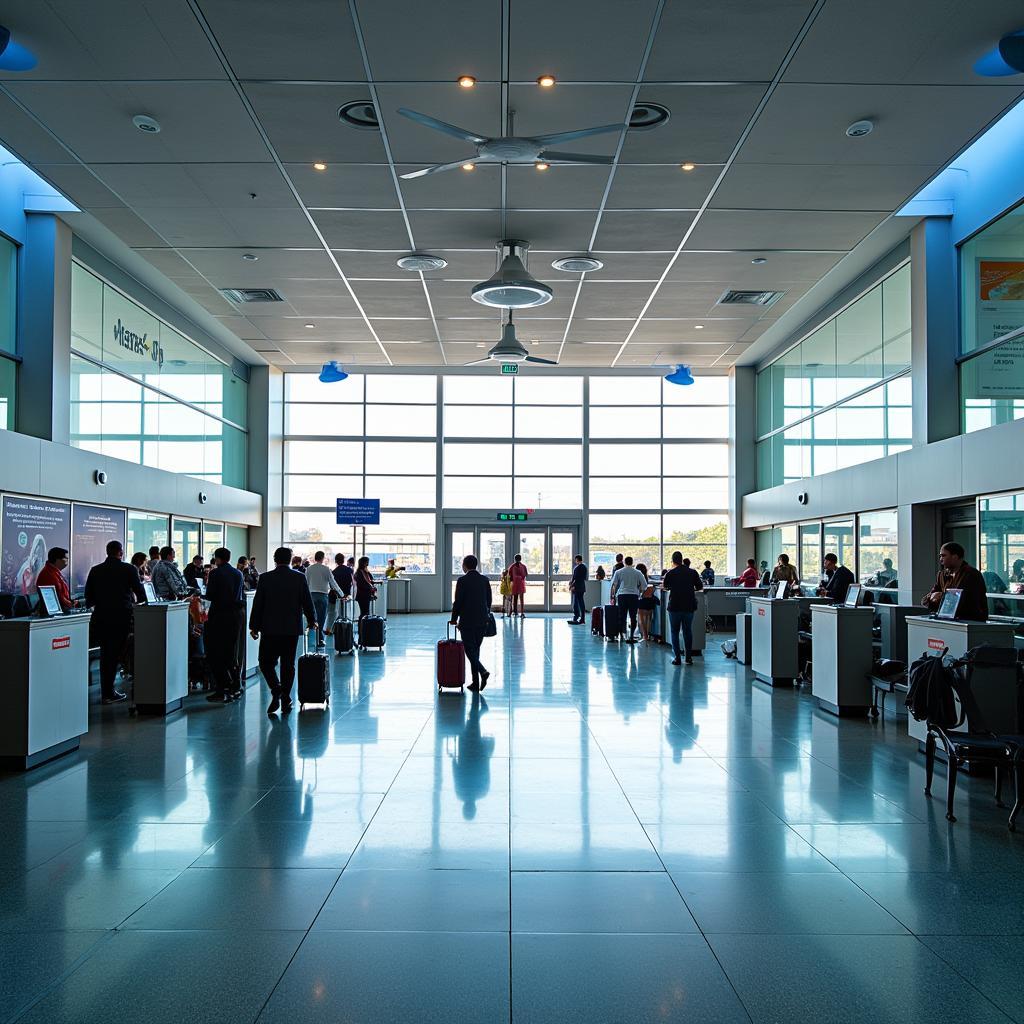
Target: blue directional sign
358, 511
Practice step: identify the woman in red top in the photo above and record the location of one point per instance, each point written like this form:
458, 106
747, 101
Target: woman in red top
749, 575
517, 577
52, 575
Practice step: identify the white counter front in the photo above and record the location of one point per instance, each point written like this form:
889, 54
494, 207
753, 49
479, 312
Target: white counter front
160, 659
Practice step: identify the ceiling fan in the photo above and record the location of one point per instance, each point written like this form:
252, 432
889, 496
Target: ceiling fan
510, 149
510, 349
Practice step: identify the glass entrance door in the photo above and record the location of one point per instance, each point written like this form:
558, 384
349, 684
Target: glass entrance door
547, 553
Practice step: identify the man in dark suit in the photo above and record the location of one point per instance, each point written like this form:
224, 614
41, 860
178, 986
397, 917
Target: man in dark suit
225, 590
111, 588
282, 599
578, 586
470, 609
681, 583
837, 580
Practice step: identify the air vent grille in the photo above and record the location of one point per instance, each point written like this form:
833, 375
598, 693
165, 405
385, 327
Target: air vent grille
240, 295
739, 297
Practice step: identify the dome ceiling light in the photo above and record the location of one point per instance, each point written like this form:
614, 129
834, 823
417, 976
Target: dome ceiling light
360, 114
512, 286
421, 261
577, 264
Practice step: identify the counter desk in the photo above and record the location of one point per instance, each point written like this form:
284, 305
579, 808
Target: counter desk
250, 648
160, 657
46, 684
774, 640
730, 601
843, 655
399, 595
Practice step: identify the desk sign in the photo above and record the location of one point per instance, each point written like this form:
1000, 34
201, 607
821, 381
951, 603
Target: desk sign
358, 511
512, 517
509, 368
935, 644
60, 642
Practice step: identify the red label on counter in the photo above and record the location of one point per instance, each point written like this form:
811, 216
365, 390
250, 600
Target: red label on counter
935, 644
760, 611
60, 642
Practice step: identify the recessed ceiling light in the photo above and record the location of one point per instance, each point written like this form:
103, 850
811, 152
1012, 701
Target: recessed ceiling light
421, 261
687, 166
696, 327
859, 129
309, 326
541, 166
469, 167
466, 81
577, 264
250, 256
146, 124
645, 116
360, 114
546, 81
758, 260
534, 342
319, 166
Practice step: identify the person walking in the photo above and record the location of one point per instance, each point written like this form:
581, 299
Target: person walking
470, 610
627, 586
168, 582
111, 589
225, 592
578, 589
517, 574
282, 601
321, 583
366, 586
682, 583
645, 607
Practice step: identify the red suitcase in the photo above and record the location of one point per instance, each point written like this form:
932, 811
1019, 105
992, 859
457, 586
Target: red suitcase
597, 621
451, 662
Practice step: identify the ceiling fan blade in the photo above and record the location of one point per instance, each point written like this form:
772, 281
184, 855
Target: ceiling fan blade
443, 126
555, 157
437, 169
479, 362
546, 362
580, 133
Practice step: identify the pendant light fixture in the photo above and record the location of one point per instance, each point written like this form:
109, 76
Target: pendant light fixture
512, 286
332, 373
680, 375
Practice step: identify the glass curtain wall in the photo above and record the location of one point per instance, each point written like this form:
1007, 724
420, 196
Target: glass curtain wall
146, 530
8, 331
653, 477
143, 392
841, 396
1001, 551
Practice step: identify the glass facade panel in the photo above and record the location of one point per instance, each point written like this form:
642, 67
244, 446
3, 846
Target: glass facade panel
401, 456
615, 459
145, 530
695, 492
878, 560
477, 492
345, 457
992, 386
489, 459
626, 390
703, 391
549, 421
549, 459
307, 387
547, 492
697, 459
8, 384
323, 420
625, 492
810, 554
477, 420
636, 421
839, 541
300, 489
1001, 551
477, 390
401, 420
531, 390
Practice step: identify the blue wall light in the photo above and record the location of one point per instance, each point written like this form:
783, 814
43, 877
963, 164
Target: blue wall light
331, 373
1006, 59
680, 375
14, 57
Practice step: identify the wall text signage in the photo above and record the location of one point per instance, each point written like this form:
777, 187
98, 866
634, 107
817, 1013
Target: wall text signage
358, 511
139, 344
512, 517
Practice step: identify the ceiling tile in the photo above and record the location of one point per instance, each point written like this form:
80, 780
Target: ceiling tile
660, 332
339, 304
452, 190
392, 298
198, 185
641, 231
320, 42
95, 120
623, 266
209, 227
28, 139
363, 230
170, 264
79, 184
405, 331
355, 186
562, 187
272, 266
470, 330
782, 229
552, 229
569, 108
612, 299
724, 40
132, 230
292, 329
661, 188
434, 231
736, 268
581, 331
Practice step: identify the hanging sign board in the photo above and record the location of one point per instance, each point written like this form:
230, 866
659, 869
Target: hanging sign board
509, 368
358, 511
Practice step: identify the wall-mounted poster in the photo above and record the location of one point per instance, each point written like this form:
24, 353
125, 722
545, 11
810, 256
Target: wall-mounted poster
31, 526
1000, 310
92, 527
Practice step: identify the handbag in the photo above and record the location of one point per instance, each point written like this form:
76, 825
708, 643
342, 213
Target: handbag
490, 626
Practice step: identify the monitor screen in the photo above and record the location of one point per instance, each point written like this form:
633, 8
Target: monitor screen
853, 593
50, 602
781, 588
950, 603
201, 586
150, 592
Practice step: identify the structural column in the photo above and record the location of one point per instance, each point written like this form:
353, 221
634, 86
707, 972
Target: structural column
742, 462
266, 454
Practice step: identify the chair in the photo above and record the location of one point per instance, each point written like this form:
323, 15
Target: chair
977, 744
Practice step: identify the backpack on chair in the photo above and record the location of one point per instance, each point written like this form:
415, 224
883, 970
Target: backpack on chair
930, 697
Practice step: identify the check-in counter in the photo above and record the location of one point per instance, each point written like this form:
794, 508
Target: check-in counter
160, 657
926, 635
843, 656
250, 662
381, 604
773, 640
743, 638
893, 621
725, 601
399, 595
46, 688
593, 594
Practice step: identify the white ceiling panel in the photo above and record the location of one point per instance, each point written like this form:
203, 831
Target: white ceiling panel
561, 187
294, 331
272, 265
724, 40
736, 267
662, 332
645, 230
435, 231
405, 331
339, 304
95, 120
637, 187
352, 186
569, 108
624, 266
129, 227
363, 230
551, 228
319, 41
479, 189
469, 330
783, 229
79, 184
392, 298
611, 299
208, 227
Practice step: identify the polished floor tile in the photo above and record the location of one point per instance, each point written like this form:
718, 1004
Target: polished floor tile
600, 837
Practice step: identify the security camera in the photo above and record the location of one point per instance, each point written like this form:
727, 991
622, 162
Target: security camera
100, 477
802, 497
203, 498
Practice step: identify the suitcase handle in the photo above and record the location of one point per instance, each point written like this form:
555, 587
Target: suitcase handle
448, 631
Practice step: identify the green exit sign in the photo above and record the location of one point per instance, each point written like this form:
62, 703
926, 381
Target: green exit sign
512, 368
512, 517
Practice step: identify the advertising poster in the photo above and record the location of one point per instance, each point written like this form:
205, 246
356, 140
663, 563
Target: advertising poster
92, 527
1000, 310
30, 527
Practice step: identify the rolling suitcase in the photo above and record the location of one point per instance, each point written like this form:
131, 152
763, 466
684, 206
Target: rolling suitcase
344, 637
314, 678
597, 621
451, 661
614, 622
372, 630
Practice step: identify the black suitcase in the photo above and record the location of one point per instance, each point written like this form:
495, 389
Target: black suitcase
314, 678
372, 630
344, 639
614, 622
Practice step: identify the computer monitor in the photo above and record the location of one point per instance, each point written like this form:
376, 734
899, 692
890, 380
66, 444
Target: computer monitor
950, 603
780, 589
201, 587
150, 592
853, 593
49, 602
